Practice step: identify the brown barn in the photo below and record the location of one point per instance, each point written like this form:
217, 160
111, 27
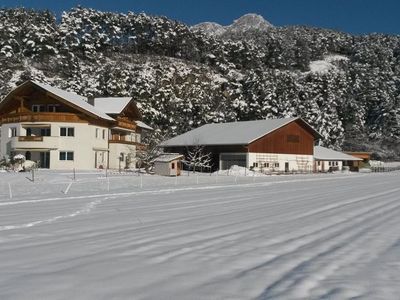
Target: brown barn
267, 145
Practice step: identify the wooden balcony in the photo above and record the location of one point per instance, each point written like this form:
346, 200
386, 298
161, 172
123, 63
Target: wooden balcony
30, 139
139, 146
41, 117
125, 124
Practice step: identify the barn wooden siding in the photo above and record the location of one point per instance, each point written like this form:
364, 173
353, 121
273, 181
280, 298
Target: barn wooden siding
292, 138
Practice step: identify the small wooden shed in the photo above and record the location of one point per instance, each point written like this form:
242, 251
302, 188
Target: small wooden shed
168, 164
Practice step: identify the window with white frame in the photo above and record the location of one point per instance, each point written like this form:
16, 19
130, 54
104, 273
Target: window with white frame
97, 133
67, 155
12, 132
38, 108
104, 134
67, 131
53, 107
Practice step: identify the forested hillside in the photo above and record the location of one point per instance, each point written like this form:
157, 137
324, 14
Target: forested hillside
347, 87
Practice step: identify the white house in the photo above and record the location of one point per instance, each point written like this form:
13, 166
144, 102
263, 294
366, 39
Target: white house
272, 145
326, 159
63, 130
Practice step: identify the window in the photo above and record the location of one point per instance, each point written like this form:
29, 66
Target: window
66, 155
53, 107
173, 166
293, 138
104, 134
276, 165
97, 133
255, 165
45, 132
67, 131
13, 132
38, 108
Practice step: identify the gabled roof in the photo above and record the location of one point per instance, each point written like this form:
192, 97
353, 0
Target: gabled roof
233, 133
143, 125
112, 105
73, 99
167, 157
322, 153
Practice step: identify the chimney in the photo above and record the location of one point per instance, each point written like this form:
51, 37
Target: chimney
91, 99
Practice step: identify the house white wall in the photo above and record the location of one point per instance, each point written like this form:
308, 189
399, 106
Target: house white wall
115, 151
84, 144
324, 165
276, 162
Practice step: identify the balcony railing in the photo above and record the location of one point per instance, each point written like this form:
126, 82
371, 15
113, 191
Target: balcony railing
40, 117
35, 142
30, 139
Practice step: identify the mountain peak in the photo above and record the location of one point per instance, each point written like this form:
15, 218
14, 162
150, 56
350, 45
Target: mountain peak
250, 22
245, 23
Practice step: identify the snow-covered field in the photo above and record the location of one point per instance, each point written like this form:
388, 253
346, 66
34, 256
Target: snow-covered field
332, 236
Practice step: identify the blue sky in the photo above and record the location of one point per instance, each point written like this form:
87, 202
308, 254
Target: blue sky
354, 16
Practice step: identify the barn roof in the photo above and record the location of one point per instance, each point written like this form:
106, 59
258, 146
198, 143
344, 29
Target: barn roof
233, 133
322, 153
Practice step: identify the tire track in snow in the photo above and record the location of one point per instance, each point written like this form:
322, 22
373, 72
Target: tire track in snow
305, 241
209, 240
84, 210
301, 276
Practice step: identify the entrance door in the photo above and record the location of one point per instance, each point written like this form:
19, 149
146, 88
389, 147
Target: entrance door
45, 160
28, 155
286, 167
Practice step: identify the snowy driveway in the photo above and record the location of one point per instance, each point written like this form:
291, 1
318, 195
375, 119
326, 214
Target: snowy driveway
284, 237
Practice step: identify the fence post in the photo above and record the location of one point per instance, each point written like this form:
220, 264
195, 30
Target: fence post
33, 175
9, 190
141, 181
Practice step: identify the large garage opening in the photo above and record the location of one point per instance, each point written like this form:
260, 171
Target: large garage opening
229, 159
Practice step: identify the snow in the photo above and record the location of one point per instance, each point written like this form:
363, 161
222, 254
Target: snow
75, 99
323, 153
327, 64
245, 23
111, 105
329, 236
230, 133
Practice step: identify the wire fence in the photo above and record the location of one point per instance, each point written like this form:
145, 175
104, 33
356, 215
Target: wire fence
41, 184
384, 169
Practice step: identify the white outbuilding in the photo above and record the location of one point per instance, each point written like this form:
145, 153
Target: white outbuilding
168, 164
327, 160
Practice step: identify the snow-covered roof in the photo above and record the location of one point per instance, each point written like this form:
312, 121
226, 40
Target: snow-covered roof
233, 133
111, 105
74, 99
143, 125
322, 153
167, 157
